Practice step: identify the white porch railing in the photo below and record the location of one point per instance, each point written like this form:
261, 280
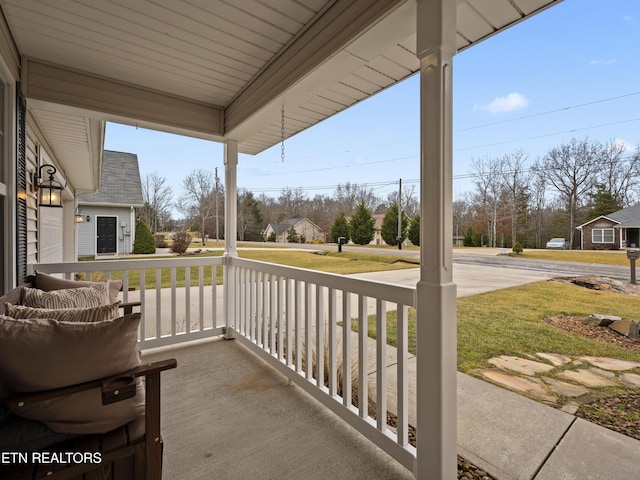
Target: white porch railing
292, 318
189, 308
295, 318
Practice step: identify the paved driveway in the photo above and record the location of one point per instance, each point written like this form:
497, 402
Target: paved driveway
470, 279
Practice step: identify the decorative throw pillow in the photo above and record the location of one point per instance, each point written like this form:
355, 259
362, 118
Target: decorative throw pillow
47, 282
83, 297
43, 354
93, 314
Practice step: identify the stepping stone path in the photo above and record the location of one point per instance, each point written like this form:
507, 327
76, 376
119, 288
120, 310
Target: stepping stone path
552, 377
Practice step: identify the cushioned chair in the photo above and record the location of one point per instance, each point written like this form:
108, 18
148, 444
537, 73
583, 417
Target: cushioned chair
66, 419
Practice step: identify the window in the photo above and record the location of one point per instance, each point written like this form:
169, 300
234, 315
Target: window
602, 235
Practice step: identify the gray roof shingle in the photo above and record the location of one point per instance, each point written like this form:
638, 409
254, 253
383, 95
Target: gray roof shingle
120, 183
627, 217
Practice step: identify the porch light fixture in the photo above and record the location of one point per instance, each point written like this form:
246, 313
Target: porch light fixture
78, 216
50, 190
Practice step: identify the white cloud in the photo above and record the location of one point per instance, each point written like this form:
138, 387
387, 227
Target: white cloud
626, 145
629, 19
508, 103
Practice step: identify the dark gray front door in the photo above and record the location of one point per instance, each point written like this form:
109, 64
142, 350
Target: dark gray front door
106, 241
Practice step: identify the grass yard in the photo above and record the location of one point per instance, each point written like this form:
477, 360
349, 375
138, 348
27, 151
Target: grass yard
511, 322
585, 256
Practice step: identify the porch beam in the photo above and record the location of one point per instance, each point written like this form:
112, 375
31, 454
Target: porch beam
436, 292
337, 26
112, 100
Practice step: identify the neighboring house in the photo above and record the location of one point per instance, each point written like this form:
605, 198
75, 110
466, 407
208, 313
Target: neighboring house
303, 227
614, 231
108, 216
377, 236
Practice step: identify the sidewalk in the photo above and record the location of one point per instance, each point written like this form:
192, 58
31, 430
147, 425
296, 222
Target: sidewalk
513, 437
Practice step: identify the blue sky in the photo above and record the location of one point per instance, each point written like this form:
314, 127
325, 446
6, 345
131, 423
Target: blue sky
572, 71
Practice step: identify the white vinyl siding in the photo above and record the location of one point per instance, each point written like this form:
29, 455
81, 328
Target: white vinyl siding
602, 235
87, 230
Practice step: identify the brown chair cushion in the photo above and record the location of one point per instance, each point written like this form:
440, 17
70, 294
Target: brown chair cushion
82, 297
43, 354
92, 314
13, 296
47, 282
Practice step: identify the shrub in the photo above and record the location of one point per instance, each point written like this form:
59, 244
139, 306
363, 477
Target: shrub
161, 241
340, 228
144, 242
181, 241
272, 237
517, 248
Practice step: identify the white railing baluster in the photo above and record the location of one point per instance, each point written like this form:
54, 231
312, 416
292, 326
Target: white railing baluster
363, 358
173, 302
158, 303
289, 284
214, 299
273, 321
332, 344
308, 330
143, 304
298, 332
187, 296
319, 337
200, 297
281, 318
381, 365
402, 384
346, 348
125, 286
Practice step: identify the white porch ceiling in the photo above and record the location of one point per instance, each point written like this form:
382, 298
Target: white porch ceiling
225, 67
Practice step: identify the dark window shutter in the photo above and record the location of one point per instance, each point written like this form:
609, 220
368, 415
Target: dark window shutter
21, 187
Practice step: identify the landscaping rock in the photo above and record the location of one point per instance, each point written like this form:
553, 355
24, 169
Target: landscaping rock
631, 379
555, 358
597, 320
611, 363
566, 389
532, 387
586, 377
628, 328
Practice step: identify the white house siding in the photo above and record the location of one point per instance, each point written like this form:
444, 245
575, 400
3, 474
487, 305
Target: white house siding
87, 229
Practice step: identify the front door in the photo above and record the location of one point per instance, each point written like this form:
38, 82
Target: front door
106, 240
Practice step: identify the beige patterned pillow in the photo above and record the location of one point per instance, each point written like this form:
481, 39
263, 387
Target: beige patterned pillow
92, 314
48, 282
83, 297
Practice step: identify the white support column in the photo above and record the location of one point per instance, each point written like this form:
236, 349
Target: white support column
230, 231
436, 292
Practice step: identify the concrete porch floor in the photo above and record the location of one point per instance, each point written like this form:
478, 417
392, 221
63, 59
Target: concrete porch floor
227, 415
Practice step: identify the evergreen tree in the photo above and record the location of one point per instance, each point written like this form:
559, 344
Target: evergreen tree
292, 235
604, 203
390, 225
144, 242
340, 228
362, 225
414, 230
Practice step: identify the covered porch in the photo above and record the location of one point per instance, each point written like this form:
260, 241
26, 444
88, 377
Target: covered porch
85, 64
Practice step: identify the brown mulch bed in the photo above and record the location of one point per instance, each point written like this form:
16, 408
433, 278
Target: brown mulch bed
601, 334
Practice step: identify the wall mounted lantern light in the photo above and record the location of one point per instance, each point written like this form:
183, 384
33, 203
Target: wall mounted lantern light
50, 190
78, 216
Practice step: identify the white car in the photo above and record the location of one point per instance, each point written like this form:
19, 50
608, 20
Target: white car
558, 244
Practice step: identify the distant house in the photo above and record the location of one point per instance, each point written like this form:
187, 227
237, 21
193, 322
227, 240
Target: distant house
614, 231
306, 230
377, 227
108, 216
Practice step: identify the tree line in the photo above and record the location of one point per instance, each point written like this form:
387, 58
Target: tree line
513, 199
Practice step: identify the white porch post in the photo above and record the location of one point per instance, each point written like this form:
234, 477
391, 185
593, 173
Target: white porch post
436, 292
230, 232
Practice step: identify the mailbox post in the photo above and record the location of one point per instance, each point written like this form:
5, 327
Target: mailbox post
633, 255
341, 241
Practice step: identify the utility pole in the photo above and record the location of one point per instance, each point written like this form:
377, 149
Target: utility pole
217, 220
399, 237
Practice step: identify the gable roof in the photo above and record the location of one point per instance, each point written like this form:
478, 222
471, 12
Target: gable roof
627, 217
286, 225
120, 184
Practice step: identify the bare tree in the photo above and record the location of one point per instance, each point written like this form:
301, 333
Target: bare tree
349, 195
619, 175
158, 198
198, 198
292, 202
515, 188
487, 194
572, 170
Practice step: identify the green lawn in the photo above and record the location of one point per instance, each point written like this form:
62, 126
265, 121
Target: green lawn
511, 322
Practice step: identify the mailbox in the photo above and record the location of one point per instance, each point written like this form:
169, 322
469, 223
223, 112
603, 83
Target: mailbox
633, 254
341, 241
